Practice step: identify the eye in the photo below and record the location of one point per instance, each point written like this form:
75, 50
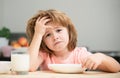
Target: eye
47, 35
58, 30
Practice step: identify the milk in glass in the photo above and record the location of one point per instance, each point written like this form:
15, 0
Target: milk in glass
20, 61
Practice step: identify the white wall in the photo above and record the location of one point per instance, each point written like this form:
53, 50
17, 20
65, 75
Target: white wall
97, 21
1, 13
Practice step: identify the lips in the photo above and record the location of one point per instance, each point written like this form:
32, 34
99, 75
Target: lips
58, 42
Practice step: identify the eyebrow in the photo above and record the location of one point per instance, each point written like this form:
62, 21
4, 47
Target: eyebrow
55, 27
58, 27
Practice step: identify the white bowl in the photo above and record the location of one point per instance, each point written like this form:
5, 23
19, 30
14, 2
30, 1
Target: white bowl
5, 66
66, 68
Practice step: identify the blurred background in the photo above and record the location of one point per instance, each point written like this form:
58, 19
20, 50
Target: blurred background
97, 21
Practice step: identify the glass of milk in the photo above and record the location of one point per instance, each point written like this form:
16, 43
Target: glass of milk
20, 61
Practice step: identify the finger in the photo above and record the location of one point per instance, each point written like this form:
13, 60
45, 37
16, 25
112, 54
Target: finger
38, 19
46, 21
84, 63
87, 63
95, 67
44, 18
41, 18
91, 65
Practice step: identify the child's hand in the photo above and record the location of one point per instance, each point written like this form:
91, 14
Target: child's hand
40, 26
93, 61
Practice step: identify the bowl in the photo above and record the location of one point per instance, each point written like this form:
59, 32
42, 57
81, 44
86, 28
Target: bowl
5, 66
66, 68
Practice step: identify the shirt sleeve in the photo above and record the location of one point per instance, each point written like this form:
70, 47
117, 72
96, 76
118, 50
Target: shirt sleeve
83, 54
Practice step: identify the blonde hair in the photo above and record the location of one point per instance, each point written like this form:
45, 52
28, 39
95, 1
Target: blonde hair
57, 17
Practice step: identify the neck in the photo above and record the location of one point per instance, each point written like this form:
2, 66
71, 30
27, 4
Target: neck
62, 54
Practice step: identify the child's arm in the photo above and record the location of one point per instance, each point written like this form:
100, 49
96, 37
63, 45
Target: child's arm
35, 58
102, 62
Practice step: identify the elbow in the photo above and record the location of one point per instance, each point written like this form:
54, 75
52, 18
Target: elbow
32, 69
111, 69
115, 70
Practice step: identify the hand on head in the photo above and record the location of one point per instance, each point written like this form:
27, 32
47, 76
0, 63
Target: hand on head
40, 25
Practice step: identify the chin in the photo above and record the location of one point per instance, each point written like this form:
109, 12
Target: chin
58, 49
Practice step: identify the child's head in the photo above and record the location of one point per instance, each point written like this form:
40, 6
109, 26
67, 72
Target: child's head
57, 17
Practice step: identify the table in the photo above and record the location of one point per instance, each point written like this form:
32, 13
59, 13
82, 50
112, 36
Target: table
50, 74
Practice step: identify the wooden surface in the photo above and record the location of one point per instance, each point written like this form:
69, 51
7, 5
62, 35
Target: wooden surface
49, 74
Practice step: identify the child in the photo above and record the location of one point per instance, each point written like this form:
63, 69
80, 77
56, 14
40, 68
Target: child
53, 41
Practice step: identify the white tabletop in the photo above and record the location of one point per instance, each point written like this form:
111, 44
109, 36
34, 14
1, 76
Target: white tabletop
49, 74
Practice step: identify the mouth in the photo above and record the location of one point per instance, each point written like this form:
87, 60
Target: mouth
56, 43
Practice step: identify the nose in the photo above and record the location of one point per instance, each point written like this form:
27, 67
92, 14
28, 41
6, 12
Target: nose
55, 36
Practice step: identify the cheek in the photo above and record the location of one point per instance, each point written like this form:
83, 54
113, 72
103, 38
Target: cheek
66, 36
48, 42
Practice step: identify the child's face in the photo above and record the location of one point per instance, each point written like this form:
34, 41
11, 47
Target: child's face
56, 38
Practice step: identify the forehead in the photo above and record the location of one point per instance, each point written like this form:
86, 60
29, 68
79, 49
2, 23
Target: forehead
53, 24
53, 27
